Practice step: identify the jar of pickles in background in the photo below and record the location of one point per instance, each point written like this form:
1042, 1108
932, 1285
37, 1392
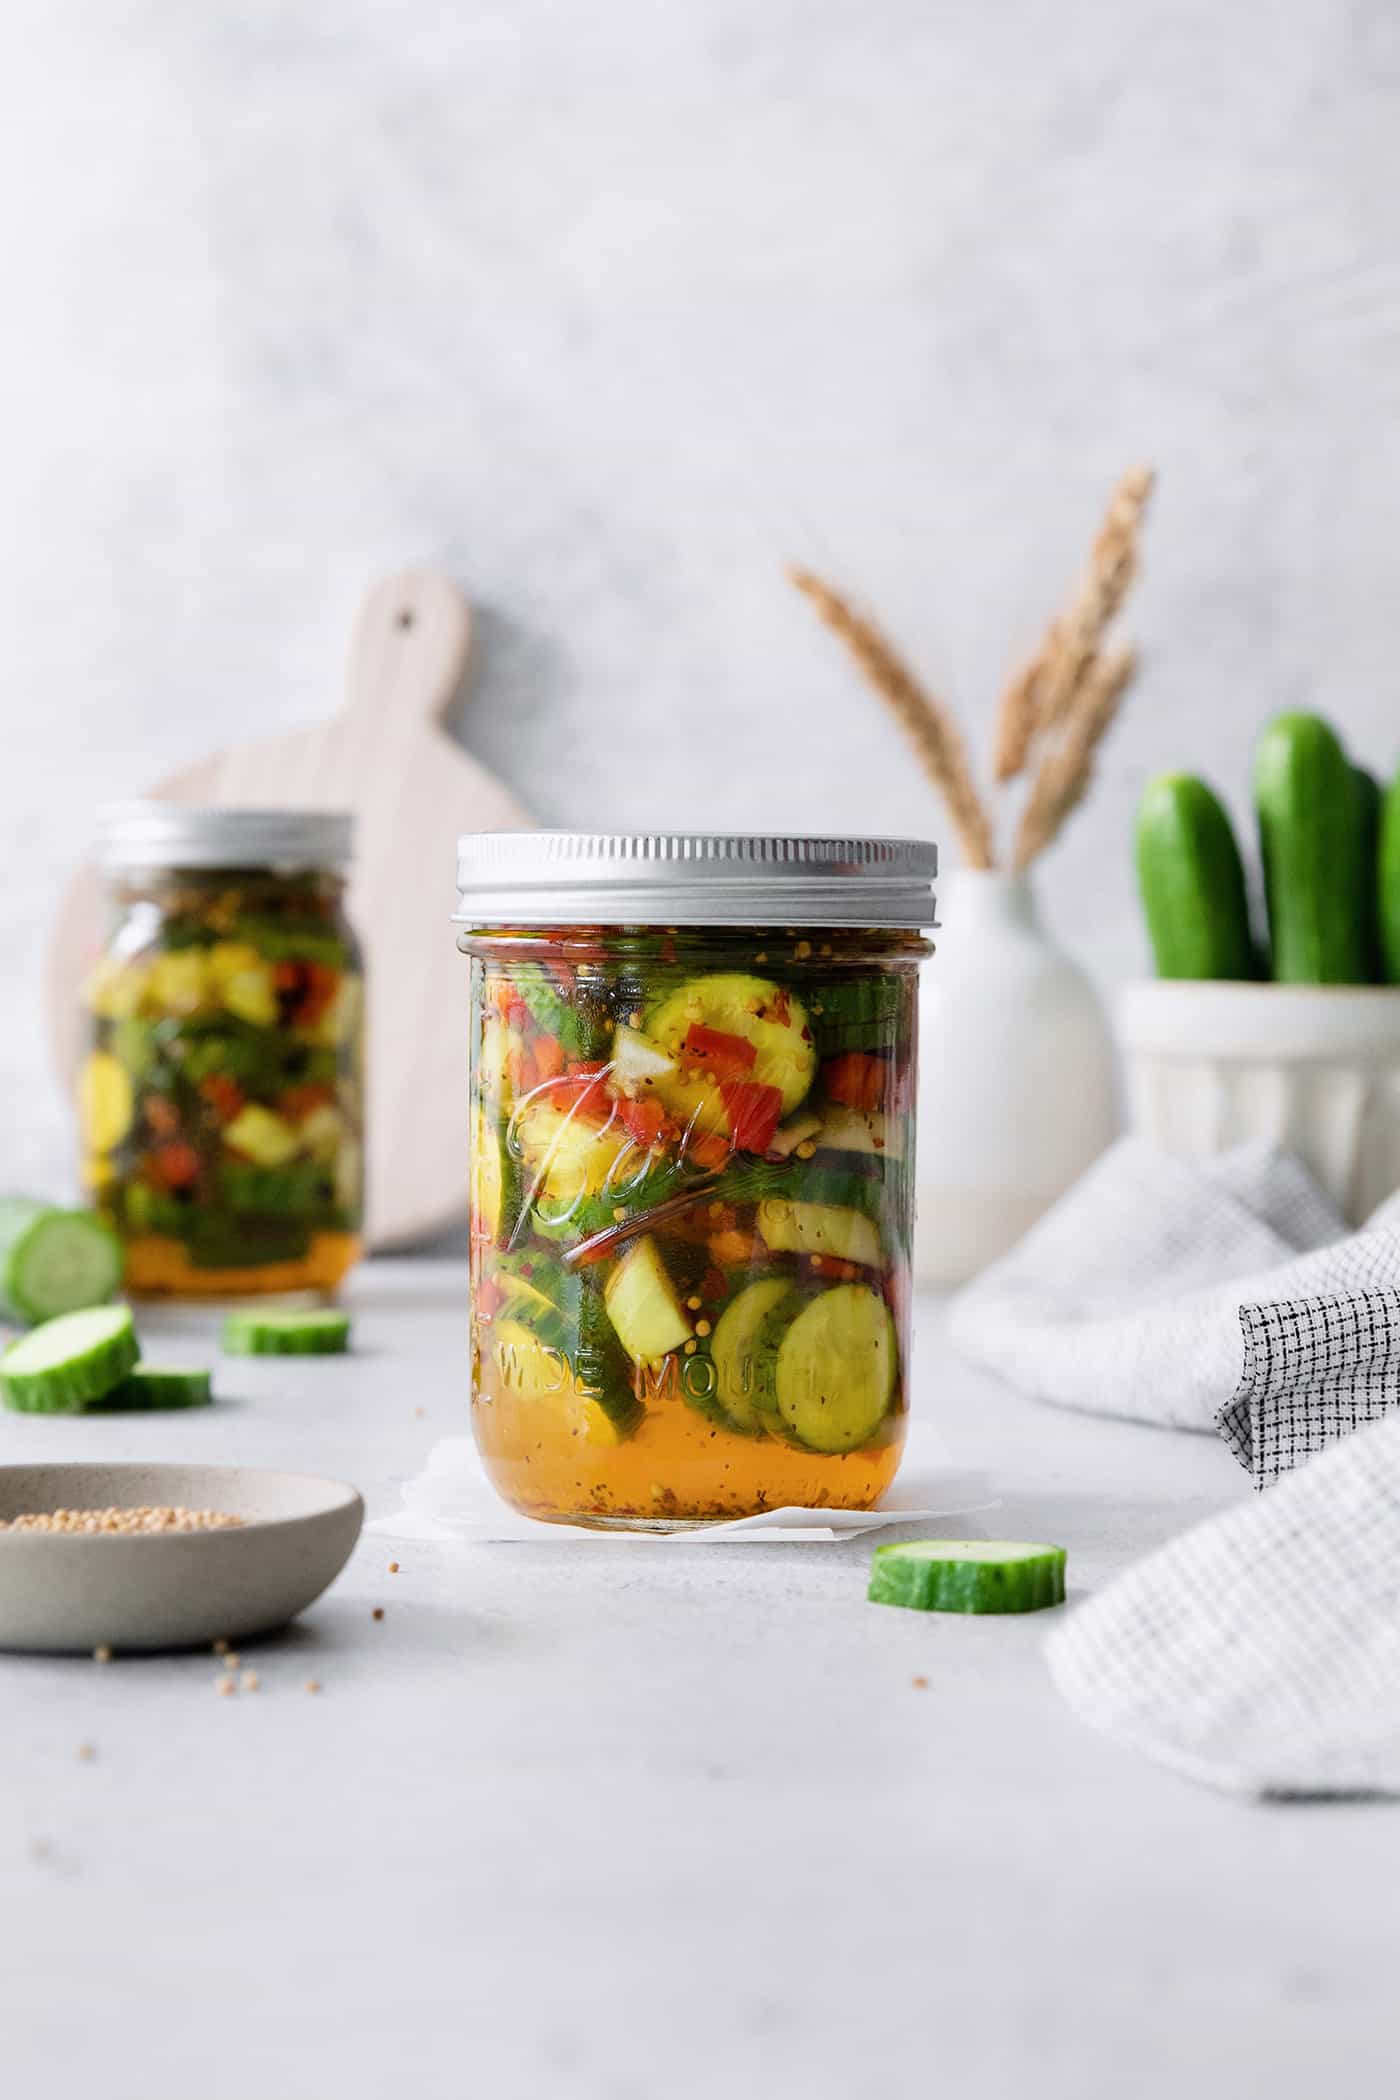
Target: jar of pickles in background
692, 1156
221, 1091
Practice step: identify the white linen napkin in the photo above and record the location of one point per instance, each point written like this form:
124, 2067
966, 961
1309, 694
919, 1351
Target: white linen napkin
1260, 1651
1225, 1293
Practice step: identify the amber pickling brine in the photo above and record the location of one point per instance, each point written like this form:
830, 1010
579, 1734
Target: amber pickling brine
221, 1090
692, 1152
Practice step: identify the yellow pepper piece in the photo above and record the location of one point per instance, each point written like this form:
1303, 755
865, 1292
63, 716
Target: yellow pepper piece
349, 1174
320, 1133
104, 1101
250, 996
240, 980
113, 989
268, 1140
98, 1172
230, 959
176, 983
342, 1018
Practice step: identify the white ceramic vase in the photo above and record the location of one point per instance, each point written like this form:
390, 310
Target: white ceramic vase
1017, 1093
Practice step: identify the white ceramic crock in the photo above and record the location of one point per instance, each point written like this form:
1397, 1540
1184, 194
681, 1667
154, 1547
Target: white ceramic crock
1016, 1081
1314, 1070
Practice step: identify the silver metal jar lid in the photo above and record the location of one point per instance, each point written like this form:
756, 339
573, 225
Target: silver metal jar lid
134, 835
692, 878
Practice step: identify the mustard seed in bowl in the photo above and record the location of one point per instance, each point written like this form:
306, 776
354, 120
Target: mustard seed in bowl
170, 1517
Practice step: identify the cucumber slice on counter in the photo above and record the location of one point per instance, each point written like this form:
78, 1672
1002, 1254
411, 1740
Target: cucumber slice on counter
157, 1386
968, 1575
255, 1333
836, 1366
743, 1374
765, 1014
68, 1363
54, 1261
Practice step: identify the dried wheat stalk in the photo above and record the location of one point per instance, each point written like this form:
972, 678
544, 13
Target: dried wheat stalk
1042, 694
930, 728
1066, 771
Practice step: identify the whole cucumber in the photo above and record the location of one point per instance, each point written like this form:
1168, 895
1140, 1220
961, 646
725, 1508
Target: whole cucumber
1314, 853
1192, 882
1368, 898
1388, 883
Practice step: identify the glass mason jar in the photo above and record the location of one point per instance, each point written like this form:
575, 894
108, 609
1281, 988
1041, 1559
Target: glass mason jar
221, 1093
692, 1157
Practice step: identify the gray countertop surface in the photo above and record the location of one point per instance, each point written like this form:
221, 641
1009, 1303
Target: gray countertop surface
616, 1820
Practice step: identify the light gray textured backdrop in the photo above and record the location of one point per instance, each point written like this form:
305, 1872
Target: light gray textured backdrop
612, 310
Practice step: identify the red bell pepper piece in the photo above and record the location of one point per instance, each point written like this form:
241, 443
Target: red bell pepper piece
176, 1164
753, 1113
709, 1150
225, 1095
642, 1120
856, 1079
549, 1056
727, 1056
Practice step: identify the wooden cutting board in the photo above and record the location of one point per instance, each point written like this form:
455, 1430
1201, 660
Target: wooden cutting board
413, 789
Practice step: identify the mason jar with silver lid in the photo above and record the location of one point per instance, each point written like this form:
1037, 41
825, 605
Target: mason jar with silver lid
692, 1112
221, 1093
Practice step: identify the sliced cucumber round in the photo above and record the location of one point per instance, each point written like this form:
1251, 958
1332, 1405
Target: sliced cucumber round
54, 1261
857, 1013
315, 1333
968, 1575
68, 1363
743, 1372
158, 1386
767, 1015
537, 1291
831, 1229
495, 1178
836, 1368
528, 1373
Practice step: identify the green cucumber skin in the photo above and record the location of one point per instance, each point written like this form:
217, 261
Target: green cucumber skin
1191, 879
72, 1388
969, 1587
153, 1388
601, 1364
255, 1334
1314, 853
1388, 883
1369, 800
24, 1221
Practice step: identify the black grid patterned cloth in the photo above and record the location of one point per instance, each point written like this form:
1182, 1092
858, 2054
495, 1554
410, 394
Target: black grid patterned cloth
1315, 1369
1224, 1294
1260, 1652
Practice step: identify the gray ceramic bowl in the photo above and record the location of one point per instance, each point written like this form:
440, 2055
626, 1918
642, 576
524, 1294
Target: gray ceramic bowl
71, 1593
